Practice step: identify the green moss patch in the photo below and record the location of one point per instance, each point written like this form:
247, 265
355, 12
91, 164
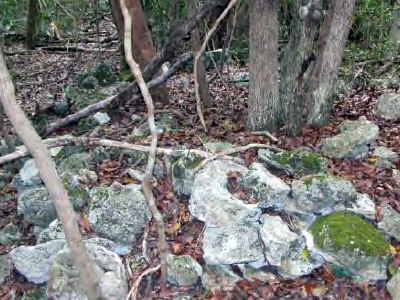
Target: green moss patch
345, 230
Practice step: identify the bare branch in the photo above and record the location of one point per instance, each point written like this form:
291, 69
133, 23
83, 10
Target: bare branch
135, 286
146, 184
200, 53
54, 186
234, 150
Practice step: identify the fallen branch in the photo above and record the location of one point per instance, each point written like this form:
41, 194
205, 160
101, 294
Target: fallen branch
198, 56
135, 285
86, 141
266, 133
233, 150
105, 103
146, 183
52, 181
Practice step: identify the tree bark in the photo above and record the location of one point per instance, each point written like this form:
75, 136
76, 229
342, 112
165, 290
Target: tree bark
264, 109
47, 172
143, 48
32, 24
201, 71
333, 38
295, 62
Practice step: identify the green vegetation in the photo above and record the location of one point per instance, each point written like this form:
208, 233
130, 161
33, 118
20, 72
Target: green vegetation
346, 231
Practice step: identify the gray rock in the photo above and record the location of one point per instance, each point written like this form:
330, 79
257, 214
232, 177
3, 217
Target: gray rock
182, 83
393, 286
10, 234
37, 207
299, 260
217, 277
252, 273
53, 232
64, 282
385, 157
388, 106
27, 178
33, 261
212, 203
74, 162
183, 270
61, 108
277, 237
240, 77
363, 205
352, 141
269, 190
183, 171
118, 213
386, 153
319, 193
232, 245
390, 223
101, 118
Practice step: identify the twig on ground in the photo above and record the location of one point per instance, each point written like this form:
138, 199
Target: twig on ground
198, 56
266, 133
233, 150
135, 285
146, 184
88, 110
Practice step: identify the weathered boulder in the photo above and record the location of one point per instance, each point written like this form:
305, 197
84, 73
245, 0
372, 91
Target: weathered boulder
212, 203
269, 190
390, 222
388, 106
235, 244
118, 213
352, 141
64, 282
183, 171
183, 270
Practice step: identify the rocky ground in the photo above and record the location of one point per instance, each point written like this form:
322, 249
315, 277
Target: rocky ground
41, 76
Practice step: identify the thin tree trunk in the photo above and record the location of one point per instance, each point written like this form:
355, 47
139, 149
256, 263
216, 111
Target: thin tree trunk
323, 77
32, 24
294, 65
143, 48
47, 172
1, 28
201, 72
264, 109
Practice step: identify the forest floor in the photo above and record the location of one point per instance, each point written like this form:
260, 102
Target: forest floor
43, 72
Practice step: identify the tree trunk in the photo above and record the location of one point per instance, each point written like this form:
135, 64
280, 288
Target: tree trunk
218, 40
143, 48
32, 24
201, 71
52, 181
295, 62
333, 38
264, 109
1, 28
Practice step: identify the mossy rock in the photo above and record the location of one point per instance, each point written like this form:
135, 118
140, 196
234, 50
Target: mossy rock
183, 172
67, 151
75, 162
346, 231
301, 161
